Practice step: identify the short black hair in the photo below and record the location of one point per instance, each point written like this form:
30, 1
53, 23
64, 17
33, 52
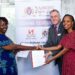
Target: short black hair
4, 19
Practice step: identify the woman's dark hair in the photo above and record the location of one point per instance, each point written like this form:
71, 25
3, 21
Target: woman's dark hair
72, 18
4, 20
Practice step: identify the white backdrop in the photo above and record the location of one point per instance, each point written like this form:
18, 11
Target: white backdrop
32, 23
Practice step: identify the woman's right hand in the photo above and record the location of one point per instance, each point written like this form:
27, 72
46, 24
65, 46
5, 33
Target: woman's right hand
48, 61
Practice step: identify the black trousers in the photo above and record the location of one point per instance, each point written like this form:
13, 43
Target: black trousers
59, 62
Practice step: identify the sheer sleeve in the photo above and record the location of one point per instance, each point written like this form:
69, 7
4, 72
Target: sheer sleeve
68, 42
62, 41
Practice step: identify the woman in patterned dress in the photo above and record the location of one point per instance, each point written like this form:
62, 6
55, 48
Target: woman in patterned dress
7, 49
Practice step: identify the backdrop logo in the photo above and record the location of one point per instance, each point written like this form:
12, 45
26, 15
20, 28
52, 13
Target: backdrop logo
28, 10
44, 34
30, 33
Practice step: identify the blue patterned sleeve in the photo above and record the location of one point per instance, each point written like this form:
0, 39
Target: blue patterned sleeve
4, 40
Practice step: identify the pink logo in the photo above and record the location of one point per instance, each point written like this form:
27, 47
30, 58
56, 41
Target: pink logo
31, 32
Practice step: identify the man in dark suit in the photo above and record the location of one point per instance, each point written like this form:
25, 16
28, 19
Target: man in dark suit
55, 34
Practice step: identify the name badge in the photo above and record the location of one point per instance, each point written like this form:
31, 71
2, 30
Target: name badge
59, 34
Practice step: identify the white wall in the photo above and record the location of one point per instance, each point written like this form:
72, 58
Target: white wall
68, 7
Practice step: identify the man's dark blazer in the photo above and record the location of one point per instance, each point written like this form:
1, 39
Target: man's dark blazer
54, 39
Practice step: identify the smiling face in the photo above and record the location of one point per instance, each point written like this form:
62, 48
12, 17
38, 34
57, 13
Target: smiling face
68, 23
55, 17
3, 27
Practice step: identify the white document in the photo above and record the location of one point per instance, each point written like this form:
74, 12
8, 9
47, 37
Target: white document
38, 58
23, 54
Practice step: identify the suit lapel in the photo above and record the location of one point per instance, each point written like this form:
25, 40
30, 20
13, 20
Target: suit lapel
56, 36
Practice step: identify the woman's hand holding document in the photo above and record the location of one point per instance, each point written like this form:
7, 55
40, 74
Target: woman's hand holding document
25, 53
39, 58
47, 61
37, 55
